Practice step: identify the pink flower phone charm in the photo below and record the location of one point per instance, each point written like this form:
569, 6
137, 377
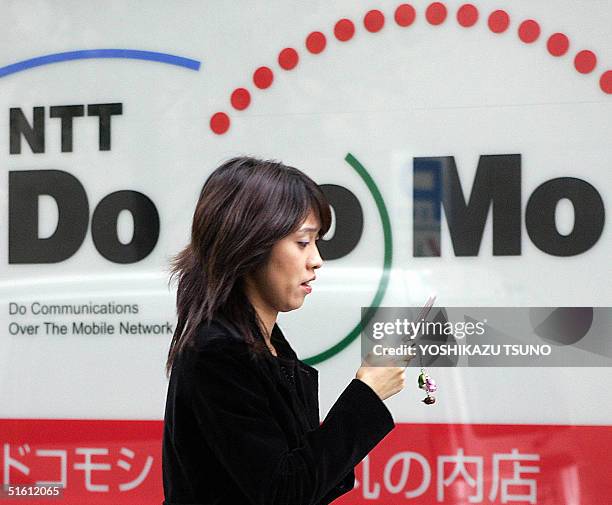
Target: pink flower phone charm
425, 381
429, 385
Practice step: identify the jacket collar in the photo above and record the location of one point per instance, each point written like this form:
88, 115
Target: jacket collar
309, 379
287, 356
285, 351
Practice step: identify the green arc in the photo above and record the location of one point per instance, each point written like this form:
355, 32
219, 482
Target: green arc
388, 257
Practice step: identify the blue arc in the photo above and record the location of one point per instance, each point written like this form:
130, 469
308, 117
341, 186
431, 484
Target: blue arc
134, 54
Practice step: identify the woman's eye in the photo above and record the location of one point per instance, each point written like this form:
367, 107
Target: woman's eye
303, 244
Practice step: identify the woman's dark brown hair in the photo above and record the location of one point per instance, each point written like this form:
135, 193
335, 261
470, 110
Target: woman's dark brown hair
244, 208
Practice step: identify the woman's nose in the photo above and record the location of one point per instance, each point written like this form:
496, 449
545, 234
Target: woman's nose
315, 260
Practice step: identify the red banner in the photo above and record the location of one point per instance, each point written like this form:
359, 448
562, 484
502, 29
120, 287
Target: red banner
119, 462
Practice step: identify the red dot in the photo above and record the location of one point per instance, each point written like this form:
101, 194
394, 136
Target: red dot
529, 31
240, 99
606, 81
557, 44
344, 30
585, 61
288, 58
436, 13
499, 21
467, 15
262, 77
373, 21
219, 123
405, 14
315, 42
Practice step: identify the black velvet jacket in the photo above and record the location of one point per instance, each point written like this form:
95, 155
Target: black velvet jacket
242, 430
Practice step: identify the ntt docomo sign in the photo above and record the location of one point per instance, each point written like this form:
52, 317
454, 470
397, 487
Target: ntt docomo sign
496, 189
70, 195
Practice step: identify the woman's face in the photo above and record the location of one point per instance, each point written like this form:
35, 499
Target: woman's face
282, 284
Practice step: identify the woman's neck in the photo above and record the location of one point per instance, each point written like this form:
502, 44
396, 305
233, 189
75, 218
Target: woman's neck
268, 320
268, 323
266, 314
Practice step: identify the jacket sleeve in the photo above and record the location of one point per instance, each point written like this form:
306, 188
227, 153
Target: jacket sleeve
234, 415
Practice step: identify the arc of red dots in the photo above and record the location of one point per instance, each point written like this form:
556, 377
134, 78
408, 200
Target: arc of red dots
436, 13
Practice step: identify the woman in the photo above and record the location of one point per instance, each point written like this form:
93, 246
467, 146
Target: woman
242, 415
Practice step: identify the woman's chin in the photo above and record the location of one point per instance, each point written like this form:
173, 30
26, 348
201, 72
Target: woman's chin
293, 306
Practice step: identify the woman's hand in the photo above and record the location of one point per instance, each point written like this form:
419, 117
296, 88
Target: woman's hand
385, 381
